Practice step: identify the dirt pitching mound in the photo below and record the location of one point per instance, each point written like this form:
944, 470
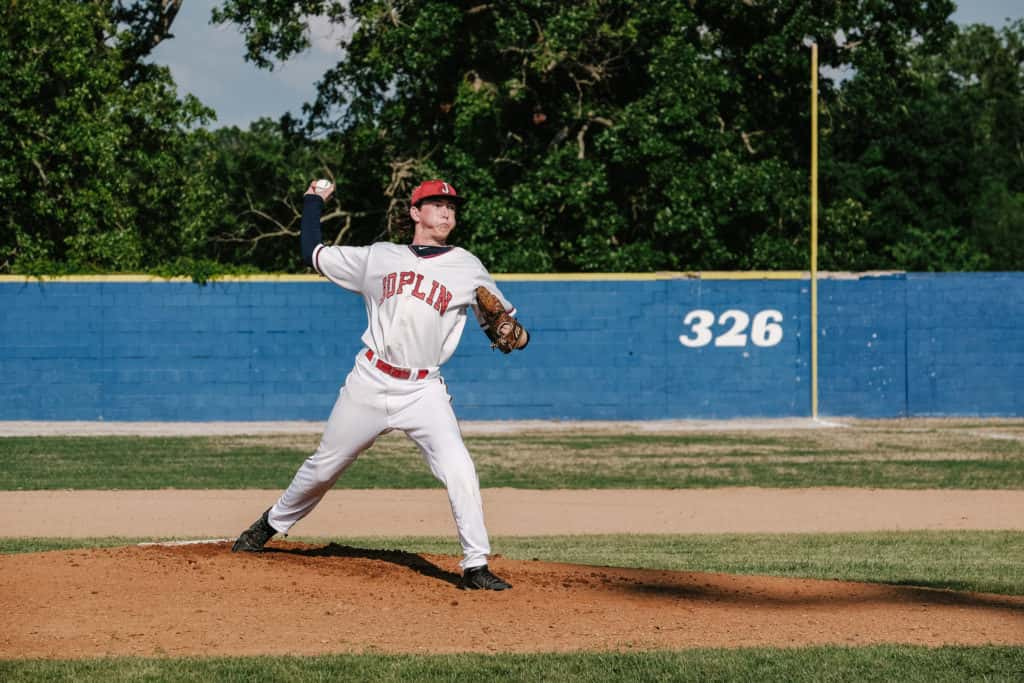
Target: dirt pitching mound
202, 599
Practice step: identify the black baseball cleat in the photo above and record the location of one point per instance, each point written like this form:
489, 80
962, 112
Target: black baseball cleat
255, 537
477, 578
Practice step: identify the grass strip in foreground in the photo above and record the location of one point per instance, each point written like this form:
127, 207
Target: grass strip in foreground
880, 663
979, 561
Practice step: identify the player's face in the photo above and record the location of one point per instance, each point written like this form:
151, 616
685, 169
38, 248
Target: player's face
434, 219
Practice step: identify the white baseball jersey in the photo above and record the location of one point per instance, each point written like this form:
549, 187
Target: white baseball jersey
416, 306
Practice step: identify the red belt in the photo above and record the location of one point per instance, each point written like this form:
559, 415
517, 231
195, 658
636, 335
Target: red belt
397, 373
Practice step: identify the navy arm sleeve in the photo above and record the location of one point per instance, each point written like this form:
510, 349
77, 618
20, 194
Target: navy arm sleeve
312, 207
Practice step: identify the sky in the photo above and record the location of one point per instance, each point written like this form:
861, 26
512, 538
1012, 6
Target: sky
208, 61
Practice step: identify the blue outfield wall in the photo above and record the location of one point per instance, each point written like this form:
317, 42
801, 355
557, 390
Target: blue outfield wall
628, 349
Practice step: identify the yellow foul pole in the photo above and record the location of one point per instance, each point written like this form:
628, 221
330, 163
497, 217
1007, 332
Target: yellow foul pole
814, 230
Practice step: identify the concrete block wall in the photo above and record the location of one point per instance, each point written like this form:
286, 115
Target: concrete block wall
862, 360
611, 350
174, 350
965, 343
639, 347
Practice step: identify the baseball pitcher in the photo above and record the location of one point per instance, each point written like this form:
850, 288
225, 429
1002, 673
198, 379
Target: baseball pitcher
417, 300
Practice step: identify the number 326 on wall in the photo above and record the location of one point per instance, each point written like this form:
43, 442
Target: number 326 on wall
766, 329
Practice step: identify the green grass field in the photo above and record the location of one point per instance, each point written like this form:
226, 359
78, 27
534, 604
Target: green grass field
883, 664
938, 455
932, 454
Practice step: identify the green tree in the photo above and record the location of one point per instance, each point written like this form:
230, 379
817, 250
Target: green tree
96, 172
932, 160
611, 134
607, 135
983, 78
260, 175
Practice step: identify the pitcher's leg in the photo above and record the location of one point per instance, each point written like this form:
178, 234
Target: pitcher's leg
351, 429
431, 423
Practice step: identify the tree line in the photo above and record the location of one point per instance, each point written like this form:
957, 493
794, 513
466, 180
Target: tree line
594, 135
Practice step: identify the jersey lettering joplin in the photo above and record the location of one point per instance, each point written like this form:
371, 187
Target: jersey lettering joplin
416, 306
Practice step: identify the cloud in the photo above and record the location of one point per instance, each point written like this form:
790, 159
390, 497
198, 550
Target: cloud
325, 35
208, 61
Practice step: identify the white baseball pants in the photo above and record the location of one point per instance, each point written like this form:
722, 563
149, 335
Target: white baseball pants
369, 404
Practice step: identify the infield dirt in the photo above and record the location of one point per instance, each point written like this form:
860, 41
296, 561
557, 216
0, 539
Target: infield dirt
298, 599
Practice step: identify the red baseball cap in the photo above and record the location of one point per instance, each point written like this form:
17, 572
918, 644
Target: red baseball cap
435, 188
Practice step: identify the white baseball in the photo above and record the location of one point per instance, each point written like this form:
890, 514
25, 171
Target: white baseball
323, 184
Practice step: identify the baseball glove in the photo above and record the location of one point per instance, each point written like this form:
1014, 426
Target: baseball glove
504, 331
